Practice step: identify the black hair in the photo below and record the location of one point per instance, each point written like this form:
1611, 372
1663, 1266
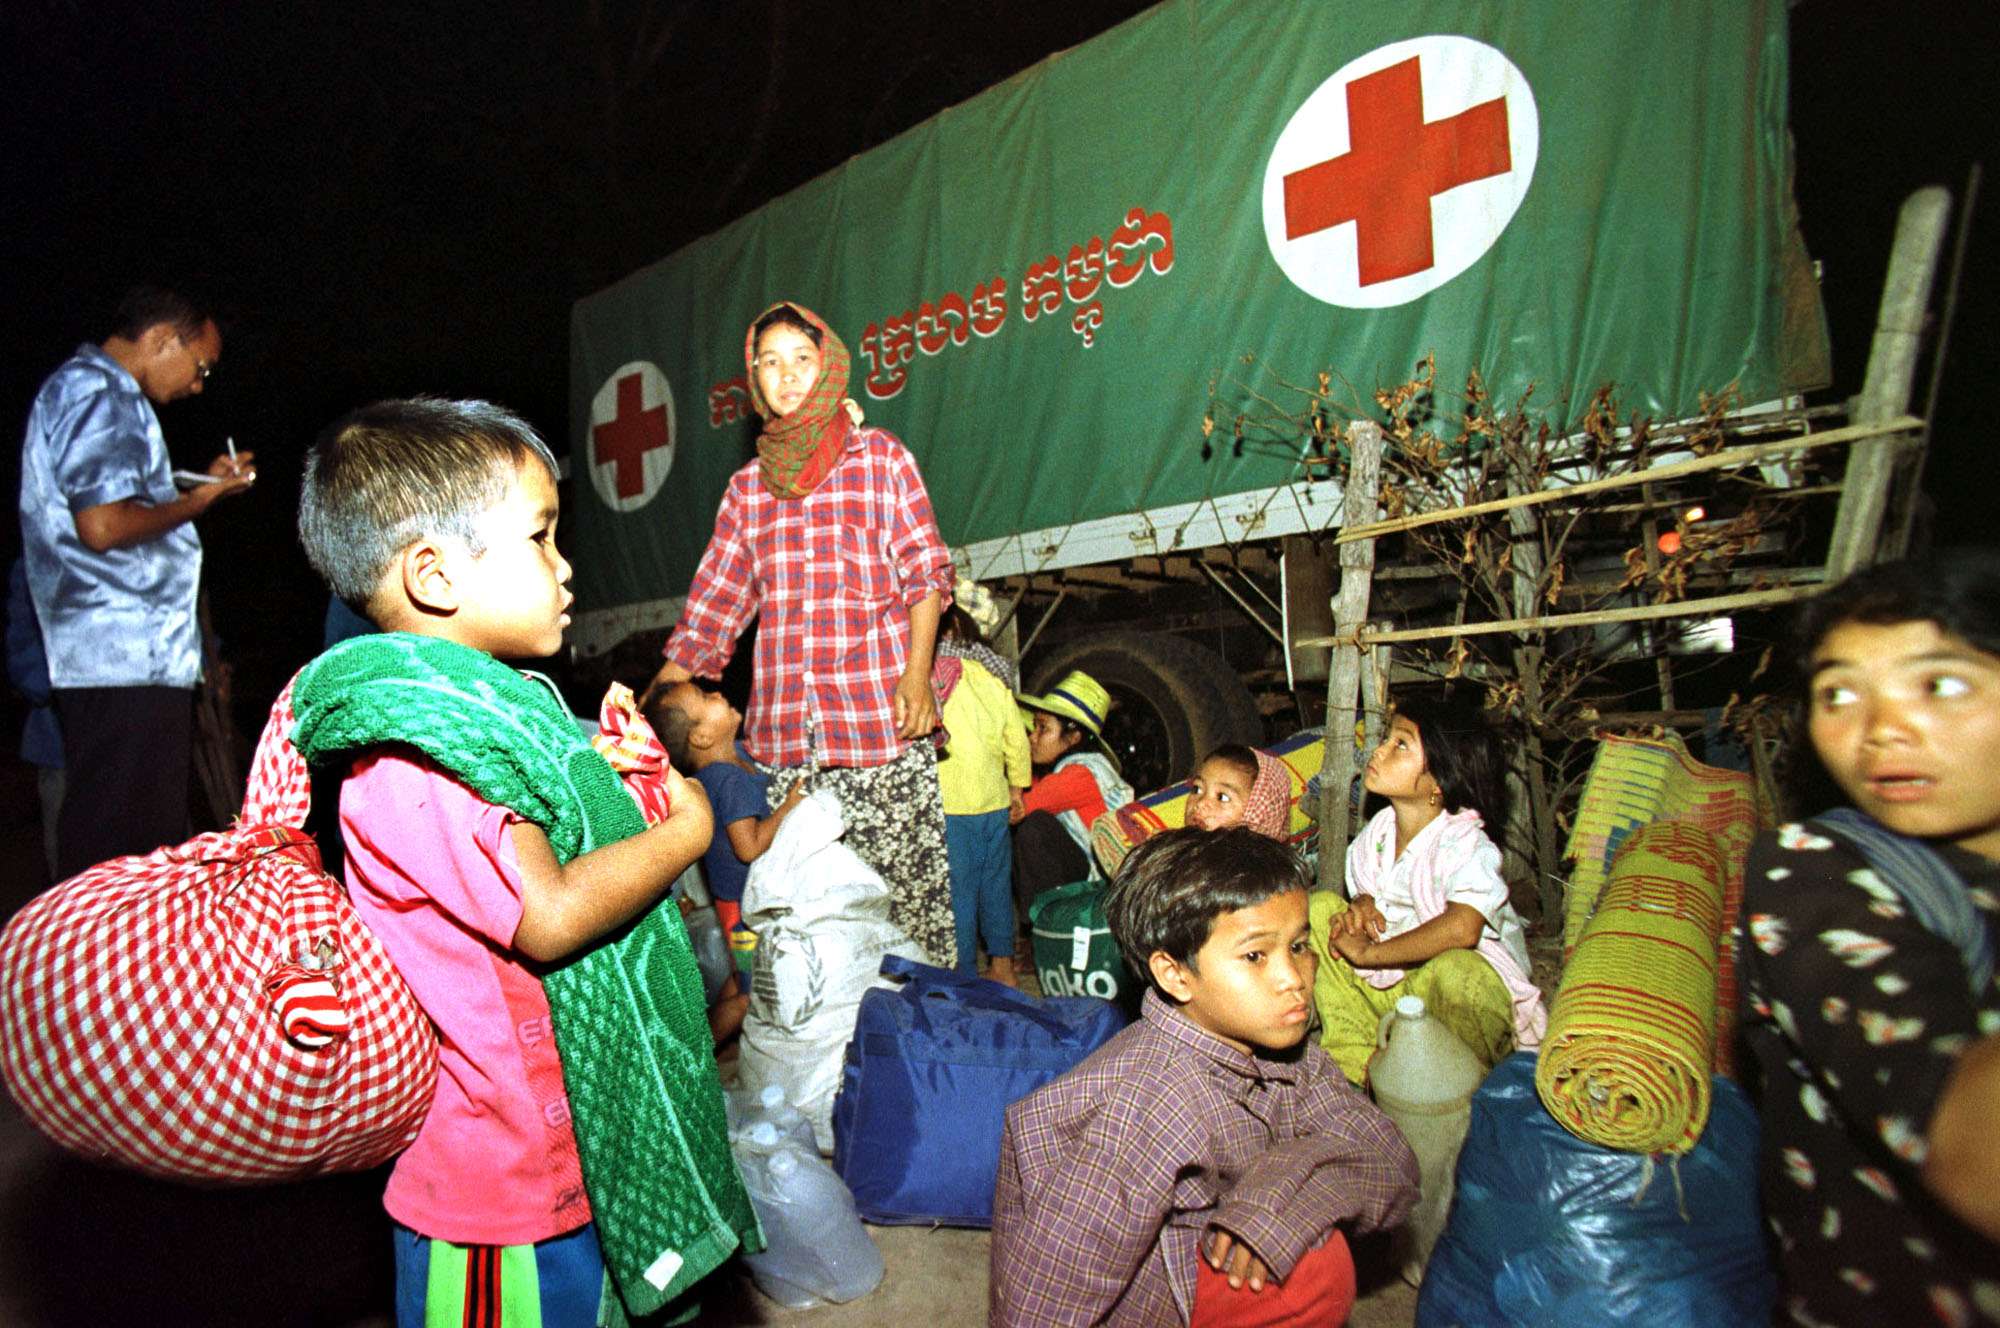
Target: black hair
1461, 752
1065, 726
960, 625
672, 724
787, 316
1237, 755
392, 473
1958, 590
1173, 887
142, 307
1955, 590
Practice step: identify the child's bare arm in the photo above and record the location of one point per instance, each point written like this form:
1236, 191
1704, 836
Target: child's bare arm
751, 836
1457, 928
564, 907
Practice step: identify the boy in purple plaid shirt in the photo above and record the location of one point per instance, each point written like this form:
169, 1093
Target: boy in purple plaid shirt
1198, 1168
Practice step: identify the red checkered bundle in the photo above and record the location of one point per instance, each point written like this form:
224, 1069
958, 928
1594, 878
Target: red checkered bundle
215, 1010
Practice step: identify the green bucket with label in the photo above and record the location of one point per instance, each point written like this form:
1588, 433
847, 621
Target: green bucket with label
1074, 952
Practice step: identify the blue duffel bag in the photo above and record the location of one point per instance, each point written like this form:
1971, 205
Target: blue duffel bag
931, 1071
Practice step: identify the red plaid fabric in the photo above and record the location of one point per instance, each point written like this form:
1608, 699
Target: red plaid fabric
1269, 810
830, 577
142, 1005
627, 742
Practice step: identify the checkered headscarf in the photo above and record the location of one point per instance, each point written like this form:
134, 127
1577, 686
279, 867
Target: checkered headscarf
1269, 810
796, 451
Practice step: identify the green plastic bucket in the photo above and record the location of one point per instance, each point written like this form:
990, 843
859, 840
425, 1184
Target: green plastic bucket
1074, 952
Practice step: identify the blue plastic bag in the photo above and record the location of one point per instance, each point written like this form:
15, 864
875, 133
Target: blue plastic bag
1548, 1229
929, 1076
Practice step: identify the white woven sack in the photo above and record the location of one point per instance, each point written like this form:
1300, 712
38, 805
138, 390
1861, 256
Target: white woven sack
821, 916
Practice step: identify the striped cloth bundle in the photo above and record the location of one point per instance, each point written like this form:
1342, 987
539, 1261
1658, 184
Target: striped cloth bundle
1626, 1060
1120, 830
1634, 782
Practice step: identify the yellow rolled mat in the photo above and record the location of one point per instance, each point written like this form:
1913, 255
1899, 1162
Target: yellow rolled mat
1630, 1043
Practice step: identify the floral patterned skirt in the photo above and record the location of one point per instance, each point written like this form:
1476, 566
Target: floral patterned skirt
895, 823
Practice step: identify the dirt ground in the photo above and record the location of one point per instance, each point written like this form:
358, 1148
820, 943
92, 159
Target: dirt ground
80, 1245
83, 1245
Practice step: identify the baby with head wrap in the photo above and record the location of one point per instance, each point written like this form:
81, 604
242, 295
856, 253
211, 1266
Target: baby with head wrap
1238, 785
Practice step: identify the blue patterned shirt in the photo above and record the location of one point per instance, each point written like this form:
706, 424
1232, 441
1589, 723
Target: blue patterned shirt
124, 617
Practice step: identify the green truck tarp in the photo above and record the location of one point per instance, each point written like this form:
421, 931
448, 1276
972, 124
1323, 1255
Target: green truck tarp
1047, 287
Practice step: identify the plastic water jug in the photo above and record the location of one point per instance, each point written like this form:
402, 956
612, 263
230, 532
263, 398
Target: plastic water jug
772, 1106
1423, 1078
817, 1250
711, 951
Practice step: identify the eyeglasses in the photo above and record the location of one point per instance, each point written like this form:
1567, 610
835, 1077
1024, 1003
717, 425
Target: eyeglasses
202, 368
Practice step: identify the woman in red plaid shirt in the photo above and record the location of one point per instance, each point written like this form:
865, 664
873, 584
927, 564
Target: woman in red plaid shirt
828, 539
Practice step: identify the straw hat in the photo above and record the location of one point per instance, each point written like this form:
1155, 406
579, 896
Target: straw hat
1078, 697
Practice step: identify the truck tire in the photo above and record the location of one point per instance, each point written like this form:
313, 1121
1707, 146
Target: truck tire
1173, 701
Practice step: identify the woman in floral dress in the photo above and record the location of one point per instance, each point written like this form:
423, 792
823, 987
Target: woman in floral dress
1867, 950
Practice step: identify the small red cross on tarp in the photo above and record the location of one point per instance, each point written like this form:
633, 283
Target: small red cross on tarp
625, 439
1385, 182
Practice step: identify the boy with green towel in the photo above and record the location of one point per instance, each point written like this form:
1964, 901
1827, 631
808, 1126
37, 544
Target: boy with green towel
482, 848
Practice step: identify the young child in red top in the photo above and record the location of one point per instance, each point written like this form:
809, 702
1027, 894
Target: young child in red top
1197, 1168
439, 518
1052, 821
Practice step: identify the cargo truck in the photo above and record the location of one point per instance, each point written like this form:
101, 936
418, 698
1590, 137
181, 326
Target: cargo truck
1066, 293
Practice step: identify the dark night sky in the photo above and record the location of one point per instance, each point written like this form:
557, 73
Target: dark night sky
392, 196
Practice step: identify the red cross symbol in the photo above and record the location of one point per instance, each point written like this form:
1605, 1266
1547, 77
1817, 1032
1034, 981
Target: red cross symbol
625, 439
1384, 183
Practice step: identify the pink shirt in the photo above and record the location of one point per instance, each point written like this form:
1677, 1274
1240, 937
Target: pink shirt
431, 869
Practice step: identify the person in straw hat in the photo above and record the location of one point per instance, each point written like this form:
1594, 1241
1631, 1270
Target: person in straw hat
1052, 820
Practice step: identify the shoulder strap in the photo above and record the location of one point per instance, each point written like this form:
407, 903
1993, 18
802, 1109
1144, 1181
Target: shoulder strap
1924, 881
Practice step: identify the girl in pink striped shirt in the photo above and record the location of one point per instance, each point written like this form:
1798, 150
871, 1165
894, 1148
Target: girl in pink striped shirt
1427, 912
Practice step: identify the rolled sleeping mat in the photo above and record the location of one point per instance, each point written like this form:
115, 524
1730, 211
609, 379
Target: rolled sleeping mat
1630, 1043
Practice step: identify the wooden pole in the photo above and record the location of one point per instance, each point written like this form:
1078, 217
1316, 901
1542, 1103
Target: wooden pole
1687, 608
1723, 460
1885, 391
1649, 532
1528, 560
1375, 700
1343, 686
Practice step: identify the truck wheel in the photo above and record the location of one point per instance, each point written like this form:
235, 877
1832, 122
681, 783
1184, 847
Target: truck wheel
1173, 701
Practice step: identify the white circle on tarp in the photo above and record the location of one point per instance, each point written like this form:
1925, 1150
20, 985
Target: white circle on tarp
1456, 74
631, 444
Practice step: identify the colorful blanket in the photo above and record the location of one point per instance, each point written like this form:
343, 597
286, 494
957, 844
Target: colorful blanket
630, 1020
1626, 1060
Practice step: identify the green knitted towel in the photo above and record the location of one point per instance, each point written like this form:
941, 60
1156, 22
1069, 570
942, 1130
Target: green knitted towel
630, 1019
